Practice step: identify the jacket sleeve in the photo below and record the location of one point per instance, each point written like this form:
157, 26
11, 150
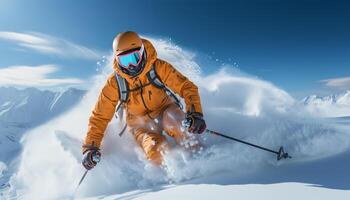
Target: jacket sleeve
180, 84
102, 114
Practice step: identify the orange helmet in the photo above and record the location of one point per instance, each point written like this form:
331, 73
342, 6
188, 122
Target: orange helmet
129, 52
126, 41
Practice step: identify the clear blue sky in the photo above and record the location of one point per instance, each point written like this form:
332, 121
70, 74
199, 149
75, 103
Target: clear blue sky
293, 44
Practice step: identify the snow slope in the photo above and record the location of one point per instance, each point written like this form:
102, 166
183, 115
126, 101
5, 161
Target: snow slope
322, 179
286, 191
236, 104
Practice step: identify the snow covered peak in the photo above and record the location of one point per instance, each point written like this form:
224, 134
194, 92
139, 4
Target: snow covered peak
340, 99
335, 105
315, 99
31, 105
344, 98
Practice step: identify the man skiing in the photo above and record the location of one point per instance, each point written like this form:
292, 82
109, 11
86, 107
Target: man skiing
142, 84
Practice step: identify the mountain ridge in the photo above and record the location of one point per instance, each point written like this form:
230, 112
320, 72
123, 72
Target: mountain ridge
342, 98
23, 109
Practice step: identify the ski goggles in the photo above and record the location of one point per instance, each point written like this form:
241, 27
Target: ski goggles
132, 58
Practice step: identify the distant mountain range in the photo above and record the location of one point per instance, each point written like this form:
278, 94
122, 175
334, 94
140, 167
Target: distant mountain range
339, 99
32, 106
22, 109
335, 105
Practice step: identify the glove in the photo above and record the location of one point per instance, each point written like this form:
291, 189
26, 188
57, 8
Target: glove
91, 158
198, 124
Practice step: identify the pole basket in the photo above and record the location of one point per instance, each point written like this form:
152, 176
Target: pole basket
282, 154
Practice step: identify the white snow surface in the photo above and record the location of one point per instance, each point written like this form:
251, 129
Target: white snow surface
236, 104
285, 191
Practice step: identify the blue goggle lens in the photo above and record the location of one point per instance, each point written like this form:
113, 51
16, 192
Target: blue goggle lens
132, 58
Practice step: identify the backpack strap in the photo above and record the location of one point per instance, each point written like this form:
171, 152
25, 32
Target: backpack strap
123, 94
155, 80
123, 88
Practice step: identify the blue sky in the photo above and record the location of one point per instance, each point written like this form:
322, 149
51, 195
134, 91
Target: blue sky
294, 44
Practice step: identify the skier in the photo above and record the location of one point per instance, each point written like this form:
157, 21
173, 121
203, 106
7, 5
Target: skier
143, 85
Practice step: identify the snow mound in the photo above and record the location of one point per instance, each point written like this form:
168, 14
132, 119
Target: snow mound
236, 104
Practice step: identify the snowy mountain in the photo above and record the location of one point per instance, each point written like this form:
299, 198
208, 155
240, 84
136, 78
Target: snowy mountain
23, 109
338, 99
335, 105
31, 106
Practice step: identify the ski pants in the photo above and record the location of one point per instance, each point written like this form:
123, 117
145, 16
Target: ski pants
149, 135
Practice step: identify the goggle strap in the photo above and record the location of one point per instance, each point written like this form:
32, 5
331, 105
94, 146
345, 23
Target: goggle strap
141, 50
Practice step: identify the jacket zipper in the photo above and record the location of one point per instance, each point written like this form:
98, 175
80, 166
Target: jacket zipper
143, 101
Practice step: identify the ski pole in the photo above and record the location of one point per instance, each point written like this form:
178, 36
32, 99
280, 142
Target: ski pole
96, 159
81, 180
281, 154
